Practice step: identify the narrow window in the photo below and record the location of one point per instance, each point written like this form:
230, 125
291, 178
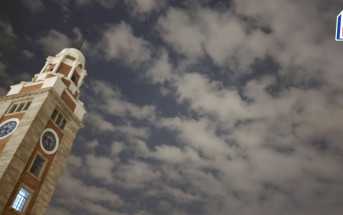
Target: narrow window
13, 108
73, 79
63, 124
37, 166
20, 107
53, 116
20, 200
58, 119
27, 105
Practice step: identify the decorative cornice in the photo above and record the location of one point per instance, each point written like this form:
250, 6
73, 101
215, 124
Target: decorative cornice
51, 91
65, 108
26, 94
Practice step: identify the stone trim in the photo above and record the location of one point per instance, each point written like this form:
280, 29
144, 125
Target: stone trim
69, 114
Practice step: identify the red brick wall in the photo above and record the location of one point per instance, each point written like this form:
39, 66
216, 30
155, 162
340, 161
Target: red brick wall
66, 98
64, 69
70, 57
66, 82
4, 141
30, 180
50, 75
30, 88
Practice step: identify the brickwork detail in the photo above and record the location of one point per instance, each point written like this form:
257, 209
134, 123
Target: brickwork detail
66, 98
31, 88
64, 69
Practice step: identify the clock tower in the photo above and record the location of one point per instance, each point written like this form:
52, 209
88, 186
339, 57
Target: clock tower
38, 124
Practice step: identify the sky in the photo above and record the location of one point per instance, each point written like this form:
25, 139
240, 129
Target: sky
194, 107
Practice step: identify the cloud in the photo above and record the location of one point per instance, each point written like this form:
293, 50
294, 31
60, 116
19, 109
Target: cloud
205, 135
54, 42
222, 36
6, 33
35, 6
210, 97
74, 193
109, 100
106, 164
145, 7
28, 54
172, 154
6, 80
310, 50
177, 29
161, 69
3, 76
116, 148
118, 42
98, 122
136, 174
270, 143
107, 4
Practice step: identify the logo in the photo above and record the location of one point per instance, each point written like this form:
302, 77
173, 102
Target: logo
339, 27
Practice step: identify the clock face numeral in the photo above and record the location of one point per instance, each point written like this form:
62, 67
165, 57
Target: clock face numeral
7, 128
49, 141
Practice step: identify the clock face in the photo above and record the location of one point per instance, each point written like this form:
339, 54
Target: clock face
8, 128
49, 141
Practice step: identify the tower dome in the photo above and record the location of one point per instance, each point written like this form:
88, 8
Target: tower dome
73, 53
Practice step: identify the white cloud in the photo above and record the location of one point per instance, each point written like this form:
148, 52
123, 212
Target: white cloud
250, 145
269, 153
172, 154
161, 69
73, 192
35, 6
28, 54
118, 42
178, 30
107, 4
106, 164
198, 134
6, 80
54, 42
145, 7
136, 174
6, 33
92, 144
98, 123
111, 101
210, 97
3, 76
310, 50
74, 161
132, 131
116, 148
222, 36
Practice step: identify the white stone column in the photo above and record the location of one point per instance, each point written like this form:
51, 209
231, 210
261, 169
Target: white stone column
58, 64
81, 79
46, 65
72, 69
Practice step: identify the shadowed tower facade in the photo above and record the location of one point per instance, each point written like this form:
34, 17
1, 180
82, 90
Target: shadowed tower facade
38, 124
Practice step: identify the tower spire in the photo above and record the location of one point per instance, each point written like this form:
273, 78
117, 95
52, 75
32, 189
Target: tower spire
82, 39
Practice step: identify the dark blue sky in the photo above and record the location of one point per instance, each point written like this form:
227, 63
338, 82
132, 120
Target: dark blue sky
194, 107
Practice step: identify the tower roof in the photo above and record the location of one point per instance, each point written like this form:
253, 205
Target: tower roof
74, 53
